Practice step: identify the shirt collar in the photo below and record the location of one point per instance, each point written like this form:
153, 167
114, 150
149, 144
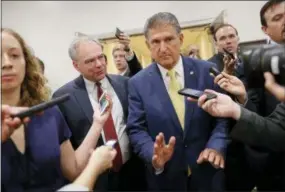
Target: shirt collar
125, 71
90, 85
178, 68
270, 41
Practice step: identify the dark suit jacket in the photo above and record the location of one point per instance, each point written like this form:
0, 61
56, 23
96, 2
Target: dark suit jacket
260, 101
266, 132
134, 66
78, 113
151, 112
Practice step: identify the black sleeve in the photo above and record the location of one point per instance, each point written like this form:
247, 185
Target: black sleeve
268, 132
134, 66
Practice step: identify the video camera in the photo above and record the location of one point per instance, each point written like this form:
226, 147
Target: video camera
266, 58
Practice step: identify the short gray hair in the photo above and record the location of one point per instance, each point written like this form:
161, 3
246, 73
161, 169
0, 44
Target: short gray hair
72, 50
161, 18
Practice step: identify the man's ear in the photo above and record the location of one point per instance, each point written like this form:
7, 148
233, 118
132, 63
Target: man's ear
147, 44
264, 29
75, 65
181, 38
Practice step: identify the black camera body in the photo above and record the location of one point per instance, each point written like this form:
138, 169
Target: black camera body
266, 58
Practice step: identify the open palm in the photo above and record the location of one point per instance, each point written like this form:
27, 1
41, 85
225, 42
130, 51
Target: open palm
162, 152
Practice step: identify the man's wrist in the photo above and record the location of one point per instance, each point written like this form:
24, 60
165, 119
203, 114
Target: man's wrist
241, 99
127, 48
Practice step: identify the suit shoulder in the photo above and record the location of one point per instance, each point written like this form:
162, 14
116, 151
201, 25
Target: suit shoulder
201, 63
142, 73
118, 77
66, 88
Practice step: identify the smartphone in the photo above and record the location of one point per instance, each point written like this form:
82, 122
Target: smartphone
229, 54
111, 143
103, 102
118, 32
214, 71
41, 107
195, 94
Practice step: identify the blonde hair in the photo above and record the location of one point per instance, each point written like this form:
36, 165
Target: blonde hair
118, 47
33, 88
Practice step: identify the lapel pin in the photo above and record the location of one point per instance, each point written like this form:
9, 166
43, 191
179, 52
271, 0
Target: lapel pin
191, 72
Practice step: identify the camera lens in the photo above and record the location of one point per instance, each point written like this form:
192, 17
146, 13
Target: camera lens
267, 58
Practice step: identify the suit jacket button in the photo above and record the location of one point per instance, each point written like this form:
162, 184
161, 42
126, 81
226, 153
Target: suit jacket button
185, 146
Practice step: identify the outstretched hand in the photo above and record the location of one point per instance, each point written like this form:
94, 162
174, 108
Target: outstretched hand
162, 151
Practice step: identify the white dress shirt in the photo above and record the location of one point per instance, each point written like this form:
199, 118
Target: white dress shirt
117, 114
179, 72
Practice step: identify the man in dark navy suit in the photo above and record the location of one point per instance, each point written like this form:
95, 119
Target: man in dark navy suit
88, 59
182, 146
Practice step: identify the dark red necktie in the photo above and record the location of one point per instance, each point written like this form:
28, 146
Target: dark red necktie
110, 133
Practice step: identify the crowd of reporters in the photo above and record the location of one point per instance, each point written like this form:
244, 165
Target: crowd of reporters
254, 157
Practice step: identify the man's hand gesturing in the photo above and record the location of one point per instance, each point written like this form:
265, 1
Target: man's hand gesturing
162, 152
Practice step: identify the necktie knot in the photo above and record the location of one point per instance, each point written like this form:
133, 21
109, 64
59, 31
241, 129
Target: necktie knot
98, 84
171, 73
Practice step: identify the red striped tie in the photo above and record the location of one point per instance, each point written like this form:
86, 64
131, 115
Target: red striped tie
110, 133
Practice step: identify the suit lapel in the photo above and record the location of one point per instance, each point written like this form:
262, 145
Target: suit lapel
82, 98
158, 86
190, 79
121, 91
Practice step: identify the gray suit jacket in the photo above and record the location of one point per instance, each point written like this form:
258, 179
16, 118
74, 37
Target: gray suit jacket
268, 132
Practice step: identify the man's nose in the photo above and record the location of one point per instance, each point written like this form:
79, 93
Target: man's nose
162, 46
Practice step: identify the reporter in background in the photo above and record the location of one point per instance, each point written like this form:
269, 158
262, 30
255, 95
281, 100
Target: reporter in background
193, 51
272, 17
37, 155
226, 37
125, 59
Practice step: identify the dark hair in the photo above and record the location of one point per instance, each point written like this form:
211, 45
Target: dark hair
215, 30
161, 18
265, 7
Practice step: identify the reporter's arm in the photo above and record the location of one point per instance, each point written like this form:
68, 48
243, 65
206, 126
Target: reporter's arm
266, 132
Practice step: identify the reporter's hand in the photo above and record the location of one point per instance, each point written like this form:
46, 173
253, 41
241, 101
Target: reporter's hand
125, 40
277, 90
232, 85
212, 156
102, 158
99, 119
8, 123
229, 64
162, 152
221, 106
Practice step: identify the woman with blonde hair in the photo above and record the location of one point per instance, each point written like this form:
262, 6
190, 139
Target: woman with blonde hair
37, 155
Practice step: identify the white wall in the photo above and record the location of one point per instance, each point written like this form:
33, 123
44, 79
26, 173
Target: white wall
49, 26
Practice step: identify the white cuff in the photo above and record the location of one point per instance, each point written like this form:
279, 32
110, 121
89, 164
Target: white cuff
130, 56
159, 171
73, 187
